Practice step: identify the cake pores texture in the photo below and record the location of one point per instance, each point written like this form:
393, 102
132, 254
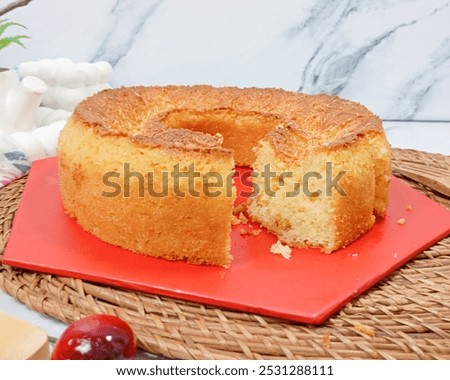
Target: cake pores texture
144, 130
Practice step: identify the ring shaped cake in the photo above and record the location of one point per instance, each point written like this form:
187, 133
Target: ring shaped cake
150, 168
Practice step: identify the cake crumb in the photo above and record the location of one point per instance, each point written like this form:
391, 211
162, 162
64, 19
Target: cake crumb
401, 221
255, 232
279, 249
395, 255
368, 330
222, 275
240, 208
408, 207
326, 341
243, 218
235, 220
243, 231
219, 137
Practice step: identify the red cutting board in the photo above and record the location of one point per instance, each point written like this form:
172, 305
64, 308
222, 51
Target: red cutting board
309, 287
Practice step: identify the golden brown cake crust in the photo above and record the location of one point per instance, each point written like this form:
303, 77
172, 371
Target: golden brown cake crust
311, 121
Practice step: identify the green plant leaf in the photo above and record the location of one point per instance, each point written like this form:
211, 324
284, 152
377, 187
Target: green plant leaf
4, 42
5, 24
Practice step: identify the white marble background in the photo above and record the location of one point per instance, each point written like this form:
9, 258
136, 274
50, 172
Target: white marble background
391, 55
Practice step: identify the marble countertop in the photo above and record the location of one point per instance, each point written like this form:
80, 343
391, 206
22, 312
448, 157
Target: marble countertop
433, 137
392, 56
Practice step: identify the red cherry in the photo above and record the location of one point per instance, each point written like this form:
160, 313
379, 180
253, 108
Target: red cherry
96, 337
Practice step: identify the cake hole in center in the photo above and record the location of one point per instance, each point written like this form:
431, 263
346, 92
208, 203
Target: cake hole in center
240, 130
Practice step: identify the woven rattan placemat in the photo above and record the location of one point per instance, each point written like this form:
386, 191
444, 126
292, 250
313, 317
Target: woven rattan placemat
405, 316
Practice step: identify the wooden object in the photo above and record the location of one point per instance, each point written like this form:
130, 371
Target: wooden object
21, 340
